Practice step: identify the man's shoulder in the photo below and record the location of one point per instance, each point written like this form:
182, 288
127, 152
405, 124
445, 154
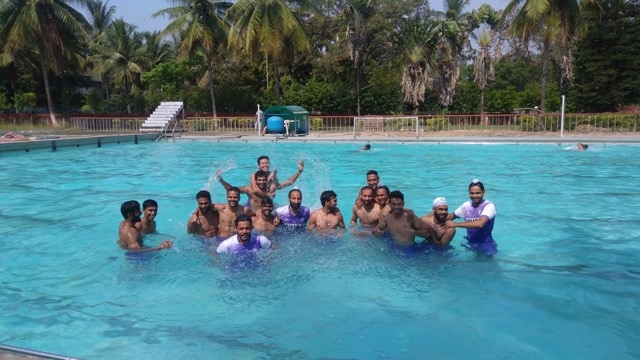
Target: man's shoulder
283, 209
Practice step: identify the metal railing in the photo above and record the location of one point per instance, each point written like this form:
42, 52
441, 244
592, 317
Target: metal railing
393, 125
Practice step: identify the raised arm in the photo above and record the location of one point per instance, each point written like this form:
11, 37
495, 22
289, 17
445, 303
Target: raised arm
293, 178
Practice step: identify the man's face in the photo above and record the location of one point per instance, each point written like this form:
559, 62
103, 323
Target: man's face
440, 212
204, 204
476, 195
232, 198
136, 216
332, 203
261, 181
295, 199
372, 181
267, 209
397, 206
150, 212
382, 197
264, 165
244, 231
366, 195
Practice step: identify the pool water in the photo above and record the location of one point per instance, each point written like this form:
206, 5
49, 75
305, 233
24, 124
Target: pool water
564, 284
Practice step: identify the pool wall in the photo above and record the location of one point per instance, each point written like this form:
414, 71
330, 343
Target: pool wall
92, 141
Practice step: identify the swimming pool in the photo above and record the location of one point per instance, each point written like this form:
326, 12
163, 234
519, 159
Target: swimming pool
564, 284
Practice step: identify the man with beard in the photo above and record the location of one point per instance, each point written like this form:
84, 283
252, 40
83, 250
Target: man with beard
255, 196
439, 218
243, 241
205, 219
264, 221
294, 215
148, 223
373, 181
228, 213
403, 225
130, 238
329, 216
369, 212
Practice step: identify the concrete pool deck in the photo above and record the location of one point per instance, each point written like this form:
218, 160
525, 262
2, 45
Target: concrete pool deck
460, 137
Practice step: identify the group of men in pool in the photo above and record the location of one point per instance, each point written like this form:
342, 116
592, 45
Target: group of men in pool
241, 228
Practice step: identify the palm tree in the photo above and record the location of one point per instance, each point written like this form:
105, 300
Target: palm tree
270, 27
484, 62
202, 28
558, 22
121, 54
453, 27
51, 28
101, 16
417, 40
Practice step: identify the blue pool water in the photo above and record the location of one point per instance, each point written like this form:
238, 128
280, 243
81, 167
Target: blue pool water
564, 284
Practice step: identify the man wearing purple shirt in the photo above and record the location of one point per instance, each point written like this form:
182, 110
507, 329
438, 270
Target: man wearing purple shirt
244, 241
294, 215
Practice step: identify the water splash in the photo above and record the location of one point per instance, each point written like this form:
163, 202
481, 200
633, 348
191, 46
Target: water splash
218, 168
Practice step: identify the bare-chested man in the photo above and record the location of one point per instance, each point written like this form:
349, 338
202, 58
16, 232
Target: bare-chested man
369, 212
205, 219
401, 224
373, 181
327, 218
382, 199
129, 237
148, 223
273, 184
228, 213
255, 196
264, 221
439, 219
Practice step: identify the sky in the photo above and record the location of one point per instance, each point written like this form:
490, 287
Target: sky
138, 12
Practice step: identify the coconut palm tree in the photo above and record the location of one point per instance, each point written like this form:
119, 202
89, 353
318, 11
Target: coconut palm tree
121, 54
485, 60
101, 15
52, 28
558, 22
200, 25
269, 27
417, 40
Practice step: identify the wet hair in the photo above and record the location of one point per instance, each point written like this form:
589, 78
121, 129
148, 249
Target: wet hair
129, 207
367, 146
203, 194
292, 190
326, 196
372, 172
395, 194
365, 188
149, 202
233, 188
260, 173
385, 187
243, 217
585, 146
266, 200
476, 182
263, 157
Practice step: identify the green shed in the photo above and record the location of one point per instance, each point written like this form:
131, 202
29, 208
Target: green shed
295, 118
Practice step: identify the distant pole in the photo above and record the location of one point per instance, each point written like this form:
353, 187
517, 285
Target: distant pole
562, 119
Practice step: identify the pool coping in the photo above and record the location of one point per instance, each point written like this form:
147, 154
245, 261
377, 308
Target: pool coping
110, 139
8, 352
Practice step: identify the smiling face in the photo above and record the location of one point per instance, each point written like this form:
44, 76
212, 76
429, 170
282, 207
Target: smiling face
261, 181
332, 203
295, 199
373, 180
233, 197
150, 212
264, 164
266, 209
397, 206
440, 212
476, 194
366, 195
204, 204
244, 231
382, 197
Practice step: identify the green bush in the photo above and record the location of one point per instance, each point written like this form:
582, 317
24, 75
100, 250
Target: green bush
437, 124
316, 123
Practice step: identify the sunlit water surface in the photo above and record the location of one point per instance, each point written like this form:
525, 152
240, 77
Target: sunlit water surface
564, 284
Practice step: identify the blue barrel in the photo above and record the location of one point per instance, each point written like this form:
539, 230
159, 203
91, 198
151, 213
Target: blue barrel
275, 124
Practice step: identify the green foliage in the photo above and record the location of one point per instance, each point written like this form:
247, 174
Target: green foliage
93, 102
4, 103
26, 100
437, 124
316, 123
539, 123
383, 94
318, 97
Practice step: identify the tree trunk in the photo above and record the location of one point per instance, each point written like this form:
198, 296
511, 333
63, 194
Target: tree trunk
276, 75
47, 90
482, 101
126, 94
358, 85
211, 86
543, 85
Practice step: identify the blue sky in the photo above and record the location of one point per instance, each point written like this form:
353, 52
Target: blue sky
138, 12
